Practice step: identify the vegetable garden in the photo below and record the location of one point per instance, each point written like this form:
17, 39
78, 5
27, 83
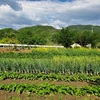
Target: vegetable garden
48, 65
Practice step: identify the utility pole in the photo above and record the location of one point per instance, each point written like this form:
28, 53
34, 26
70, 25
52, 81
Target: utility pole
92, 29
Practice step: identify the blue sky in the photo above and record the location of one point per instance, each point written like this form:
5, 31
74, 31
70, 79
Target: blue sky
57, 13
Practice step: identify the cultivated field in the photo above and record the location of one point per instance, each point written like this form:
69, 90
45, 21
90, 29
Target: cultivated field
50, 74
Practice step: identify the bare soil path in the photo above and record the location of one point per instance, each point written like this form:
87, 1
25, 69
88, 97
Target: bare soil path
37, 82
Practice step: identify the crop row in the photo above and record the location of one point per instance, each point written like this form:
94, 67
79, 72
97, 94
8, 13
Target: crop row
51, 77
62, 64
44, 89
51, 52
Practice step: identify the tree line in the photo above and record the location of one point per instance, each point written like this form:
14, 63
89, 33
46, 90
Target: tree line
67, 37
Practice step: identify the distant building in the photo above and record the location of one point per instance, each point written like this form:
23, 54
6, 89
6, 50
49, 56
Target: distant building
88, 46
75, 45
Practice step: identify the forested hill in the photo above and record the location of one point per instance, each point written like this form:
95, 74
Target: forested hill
38, 29
7, 31
37, 35
48, 35
29, 35
84, 28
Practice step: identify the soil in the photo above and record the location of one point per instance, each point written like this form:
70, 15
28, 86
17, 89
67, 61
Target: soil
21, 81
12, 50
5, 95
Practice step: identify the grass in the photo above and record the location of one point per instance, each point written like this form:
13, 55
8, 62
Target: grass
49, 53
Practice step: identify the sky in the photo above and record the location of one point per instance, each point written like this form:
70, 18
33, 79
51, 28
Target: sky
57, 13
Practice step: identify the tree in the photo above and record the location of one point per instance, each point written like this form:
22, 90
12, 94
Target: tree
24, 37
66, 37
84, 38
87, 37
95, 39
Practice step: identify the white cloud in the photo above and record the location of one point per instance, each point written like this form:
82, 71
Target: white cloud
57, 14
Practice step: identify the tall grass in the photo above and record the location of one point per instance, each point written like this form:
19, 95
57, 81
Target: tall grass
58, 64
